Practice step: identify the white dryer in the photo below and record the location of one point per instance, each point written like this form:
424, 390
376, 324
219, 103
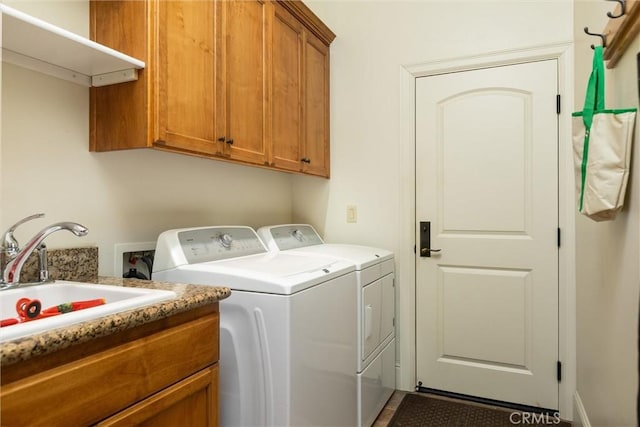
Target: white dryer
287, 332
375, 307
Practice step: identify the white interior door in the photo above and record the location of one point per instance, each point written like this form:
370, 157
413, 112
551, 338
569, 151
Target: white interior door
487, 181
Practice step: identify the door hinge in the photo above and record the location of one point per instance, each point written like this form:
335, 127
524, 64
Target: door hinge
558, 103
559, 370
414, 249
559, 237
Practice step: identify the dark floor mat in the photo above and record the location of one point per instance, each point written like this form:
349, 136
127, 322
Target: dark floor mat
422, 410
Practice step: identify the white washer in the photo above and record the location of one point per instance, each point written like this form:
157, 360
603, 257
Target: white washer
287, 332
376, 308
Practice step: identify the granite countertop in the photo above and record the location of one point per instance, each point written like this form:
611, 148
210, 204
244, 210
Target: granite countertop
188, 297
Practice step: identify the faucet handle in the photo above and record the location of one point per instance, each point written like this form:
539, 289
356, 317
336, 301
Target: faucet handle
9, 243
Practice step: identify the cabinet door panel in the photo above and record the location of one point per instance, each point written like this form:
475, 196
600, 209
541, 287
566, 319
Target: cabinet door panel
191, 402
241, 71
286, 99
316, 107
186, 97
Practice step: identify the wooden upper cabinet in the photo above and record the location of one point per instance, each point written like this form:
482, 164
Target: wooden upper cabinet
286, 90
185, 83
237, 80
300, 95
316, 107
242, 28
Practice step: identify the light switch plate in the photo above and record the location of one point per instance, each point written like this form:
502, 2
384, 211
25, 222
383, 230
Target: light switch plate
352, 213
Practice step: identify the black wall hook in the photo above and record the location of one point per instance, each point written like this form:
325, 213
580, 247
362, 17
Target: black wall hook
623, 7
602, 36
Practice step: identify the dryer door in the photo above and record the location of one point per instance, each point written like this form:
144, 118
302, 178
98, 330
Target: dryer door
377, 314
372, 302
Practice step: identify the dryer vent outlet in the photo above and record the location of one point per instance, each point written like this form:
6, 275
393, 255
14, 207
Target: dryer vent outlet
134, 260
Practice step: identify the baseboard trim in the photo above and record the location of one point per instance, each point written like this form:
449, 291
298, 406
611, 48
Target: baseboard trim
579, 410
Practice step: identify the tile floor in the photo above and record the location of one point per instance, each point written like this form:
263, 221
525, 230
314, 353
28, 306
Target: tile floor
389, 409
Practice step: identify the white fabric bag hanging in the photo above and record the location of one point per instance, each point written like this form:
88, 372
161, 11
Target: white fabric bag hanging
602, 142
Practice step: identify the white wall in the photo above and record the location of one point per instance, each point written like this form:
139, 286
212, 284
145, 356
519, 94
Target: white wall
374, 40
126, 196
608, 256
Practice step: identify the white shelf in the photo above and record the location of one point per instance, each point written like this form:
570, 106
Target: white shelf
38, 45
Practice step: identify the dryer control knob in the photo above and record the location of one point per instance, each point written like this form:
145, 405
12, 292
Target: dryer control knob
298, 235
225, 240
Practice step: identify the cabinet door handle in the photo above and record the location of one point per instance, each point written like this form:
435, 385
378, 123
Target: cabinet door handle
229, 141
305, 160
221, 139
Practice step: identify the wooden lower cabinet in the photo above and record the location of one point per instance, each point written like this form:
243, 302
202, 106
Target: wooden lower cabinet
164, 373
191, 402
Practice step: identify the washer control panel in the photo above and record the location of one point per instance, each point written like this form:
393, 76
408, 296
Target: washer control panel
217, 243
292, 236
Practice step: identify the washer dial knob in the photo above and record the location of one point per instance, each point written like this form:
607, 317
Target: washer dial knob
225, 240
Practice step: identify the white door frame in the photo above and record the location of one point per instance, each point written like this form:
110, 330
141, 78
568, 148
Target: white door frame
406, 277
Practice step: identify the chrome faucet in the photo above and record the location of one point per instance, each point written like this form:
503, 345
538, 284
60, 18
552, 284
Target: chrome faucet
10, 247
14, 258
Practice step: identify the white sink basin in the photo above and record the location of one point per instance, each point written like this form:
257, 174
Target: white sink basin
117, 299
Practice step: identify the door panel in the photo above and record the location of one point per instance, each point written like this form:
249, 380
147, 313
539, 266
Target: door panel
186, 96
286, 77
492, 155
316, 106
486, 178
476, 322
241, 77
